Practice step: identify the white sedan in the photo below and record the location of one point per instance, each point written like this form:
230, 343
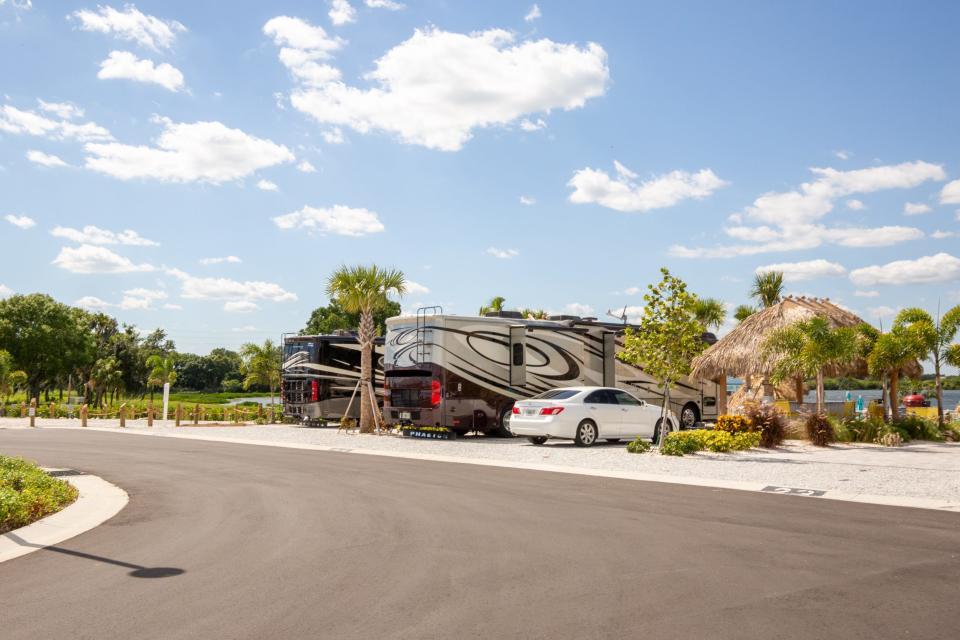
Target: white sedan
585, 415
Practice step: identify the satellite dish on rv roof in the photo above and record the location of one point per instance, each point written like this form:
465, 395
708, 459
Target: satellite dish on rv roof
516, 315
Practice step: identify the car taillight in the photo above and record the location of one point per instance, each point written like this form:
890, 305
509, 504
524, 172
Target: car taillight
516, 411
550, 411
435, 392
314, 391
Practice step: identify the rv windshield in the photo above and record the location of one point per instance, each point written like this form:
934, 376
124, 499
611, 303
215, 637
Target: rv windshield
299, 352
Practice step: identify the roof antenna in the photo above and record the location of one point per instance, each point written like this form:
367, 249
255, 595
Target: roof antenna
622, 316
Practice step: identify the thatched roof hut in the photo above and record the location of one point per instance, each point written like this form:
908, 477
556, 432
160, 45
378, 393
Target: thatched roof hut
740, 352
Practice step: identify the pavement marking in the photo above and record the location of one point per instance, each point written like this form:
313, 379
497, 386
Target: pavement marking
98, 502
794, 491
737, 485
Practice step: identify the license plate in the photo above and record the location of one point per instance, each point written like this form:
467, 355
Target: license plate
529, 412
404, 415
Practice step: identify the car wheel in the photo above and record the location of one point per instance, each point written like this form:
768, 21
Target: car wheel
586, 434
689, 416
656, 431
538, 440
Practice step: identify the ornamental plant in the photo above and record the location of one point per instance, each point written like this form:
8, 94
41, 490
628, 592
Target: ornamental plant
819, 429
639, 446
732, 424
769, 422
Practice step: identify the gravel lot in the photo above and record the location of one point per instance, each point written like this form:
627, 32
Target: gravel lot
921, 470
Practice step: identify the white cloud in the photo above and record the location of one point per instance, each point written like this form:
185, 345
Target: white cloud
631, 291
341, 12
623, 194
20, 122
301, 41
941, 267
384, 4
532, 125
528, 200
533, 14
131, 25
436, 87
195, 288
786, 221
123, 65
915, 209
883, 311
950, 193
95, 235
266, 185
5, 291
843, 154
940, 235
855, 205
88, 259
19, 5
240, 306
45, 159
503, 254
92, 303
866, 294
416, 289
173, 307
224, 259
23, 222
198, 152
333, 136
306, 167
808, 270
64, 110
578, 309
244, 329
338, 220
141, 299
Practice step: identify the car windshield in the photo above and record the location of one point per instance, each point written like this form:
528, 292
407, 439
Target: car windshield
557, 394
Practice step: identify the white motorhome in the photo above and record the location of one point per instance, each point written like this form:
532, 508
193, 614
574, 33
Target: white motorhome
465, 372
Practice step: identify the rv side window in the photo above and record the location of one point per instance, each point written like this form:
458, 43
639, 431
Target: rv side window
517, 355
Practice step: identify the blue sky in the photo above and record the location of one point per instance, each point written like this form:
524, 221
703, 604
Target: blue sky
180, 165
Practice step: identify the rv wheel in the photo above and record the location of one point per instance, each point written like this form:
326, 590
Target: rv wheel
503, 423
689, 416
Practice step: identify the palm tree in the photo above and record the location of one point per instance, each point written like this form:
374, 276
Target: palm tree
936, 339
104, 377
805, 348
891, 353
743, 311
161, 372
534, 314
10, 378
261, 365
709, 312
364, 290
767, 288
495, 304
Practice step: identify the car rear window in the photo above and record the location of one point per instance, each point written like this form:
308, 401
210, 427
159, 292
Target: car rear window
557, 394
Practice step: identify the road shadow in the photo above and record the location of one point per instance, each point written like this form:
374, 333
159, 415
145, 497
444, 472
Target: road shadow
138, 571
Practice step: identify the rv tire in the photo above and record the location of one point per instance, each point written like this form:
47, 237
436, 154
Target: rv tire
689, 416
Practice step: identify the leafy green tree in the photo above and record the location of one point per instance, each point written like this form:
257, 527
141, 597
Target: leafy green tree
892, 352
743, 311
767, 288
805, 348
326, 320
709, 312
261, 366
162, 371
10, 377
668, 337
364, 290
495, 304
936, 339
106, 379
534, 314
44, 337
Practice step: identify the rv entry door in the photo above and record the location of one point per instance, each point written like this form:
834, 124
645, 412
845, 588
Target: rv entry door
517, 355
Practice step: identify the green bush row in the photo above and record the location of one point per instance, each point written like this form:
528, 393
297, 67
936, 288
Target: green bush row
679, 443
27, 493
906, 428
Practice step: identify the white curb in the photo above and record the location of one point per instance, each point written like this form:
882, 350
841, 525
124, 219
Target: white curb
98, 502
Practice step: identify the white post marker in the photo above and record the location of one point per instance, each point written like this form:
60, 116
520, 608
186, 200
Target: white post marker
166, 401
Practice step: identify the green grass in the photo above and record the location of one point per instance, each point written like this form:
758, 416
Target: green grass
27, 493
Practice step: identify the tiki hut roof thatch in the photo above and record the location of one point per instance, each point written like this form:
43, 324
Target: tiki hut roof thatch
740, 352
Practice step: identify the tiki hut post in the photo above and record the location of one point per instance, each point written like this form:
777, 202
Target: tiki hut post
178, 415
84, 412
123, 414
196, 414
33, 412
150, 415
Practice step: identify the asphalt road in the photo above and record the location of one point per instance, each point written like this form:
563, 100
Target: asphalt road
238, 541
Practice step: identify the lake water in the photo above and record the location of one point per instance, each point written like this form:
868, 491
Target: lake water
265, 400
950, 398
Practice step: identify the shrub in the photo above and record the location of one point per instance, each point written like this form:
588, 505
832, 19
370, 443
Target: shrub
638, 446
27, 493
747, 440
918, 428
860, 429
769, 422
890, 439
819, 429
732, 424
679, 443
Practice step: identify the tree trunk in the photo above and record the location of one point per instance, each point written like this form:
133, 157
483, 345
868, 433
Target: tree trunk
365, 335
819, 390
936, 368
894, 395
798, 388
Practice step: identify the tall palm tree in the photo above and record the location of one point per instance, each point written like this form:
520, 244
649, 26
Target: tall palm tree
805, 348
364, 290
936, 339
161, 372
534, 314
767, 288
743, 311
495, 304
709, 312
261, 365
891, 353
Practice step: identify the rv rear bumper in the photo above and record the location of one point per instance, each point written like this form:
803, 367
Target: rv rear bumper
421, 416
